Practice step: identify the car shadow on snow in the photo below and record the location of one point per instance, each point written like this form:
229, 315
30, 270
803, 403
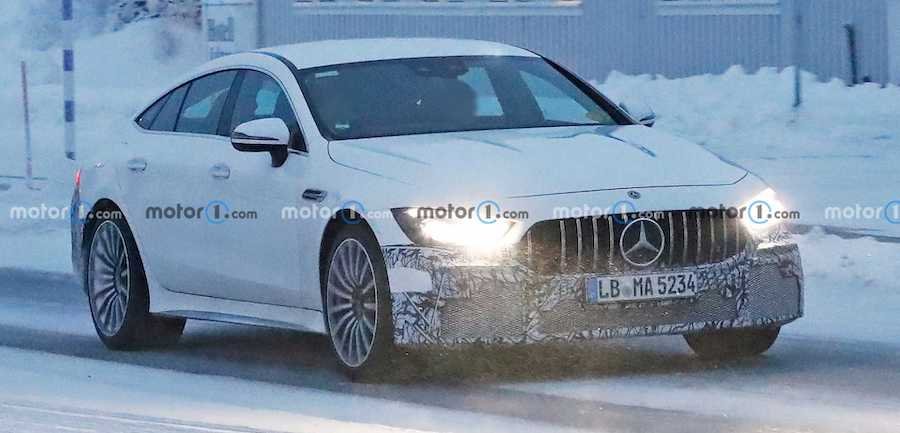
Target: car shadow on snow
292, 357
302, 353
538, 363
302, 359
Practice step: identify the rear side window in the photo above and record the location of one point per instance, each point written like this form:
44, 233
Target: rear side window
261, 97
168, 114
203, 105
149, 115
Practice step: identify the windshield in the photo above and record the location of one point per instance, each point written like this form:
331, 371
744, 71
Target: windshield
430, 95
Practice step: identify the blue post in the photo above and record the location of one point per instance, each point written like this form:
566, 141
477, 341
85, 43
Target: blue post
68, 78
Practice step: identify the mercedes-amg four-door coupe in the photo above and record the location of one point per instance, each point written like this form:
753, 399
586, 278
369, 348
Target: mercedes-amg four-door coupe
422, 192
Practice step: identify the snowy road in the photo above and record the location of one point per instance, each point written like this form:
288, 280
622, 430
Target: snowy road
56, 376
836, 370
24, 417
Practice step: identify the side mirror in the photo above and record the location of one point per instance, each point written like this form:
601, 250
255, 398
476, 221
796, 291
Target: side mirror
263, 135
640, 112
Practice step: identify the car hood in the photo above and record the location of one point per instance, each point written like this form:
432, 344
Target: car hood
532, 162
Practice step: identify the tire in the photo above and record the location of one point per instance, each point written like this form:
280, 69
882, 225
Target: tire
357, 304
117, 290
732, 344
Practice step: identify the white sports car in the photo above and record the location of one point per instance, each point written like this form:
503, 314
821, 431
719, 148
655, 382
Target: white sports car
401, 192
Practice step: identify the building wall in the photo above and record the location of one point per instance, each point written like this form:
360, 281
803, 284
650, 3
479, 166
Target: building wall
827, 50
681, 45
631, 36
894, 41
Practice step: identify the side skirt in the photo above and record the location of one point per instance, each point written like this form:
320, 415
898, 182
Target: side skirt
167, 303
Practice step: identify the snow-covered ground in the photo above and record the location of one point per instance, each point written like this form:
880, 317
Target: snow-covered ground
115, 74
741, 393
227, 378
852, 289
839, 150
57, 393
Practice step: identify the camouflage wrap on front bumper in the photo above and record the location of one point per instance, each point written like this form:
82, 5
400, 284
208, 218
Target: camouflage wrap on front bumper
506, 302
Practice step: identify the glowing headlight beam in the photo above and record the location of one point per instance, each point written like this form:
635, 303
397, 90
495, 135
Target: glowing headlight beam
468, 233
759, 215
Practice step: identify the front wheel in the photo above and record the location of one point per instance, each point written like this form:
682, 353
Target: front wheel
732, 343
357, 303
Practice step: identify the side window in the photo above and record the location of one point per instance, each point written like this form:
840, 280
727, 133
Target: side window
168, 114
149, 115
261, 97
204, 102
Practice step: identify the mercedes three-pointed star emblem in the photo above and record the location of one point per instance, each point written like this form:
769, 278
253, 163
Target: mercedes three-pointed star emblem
648, 247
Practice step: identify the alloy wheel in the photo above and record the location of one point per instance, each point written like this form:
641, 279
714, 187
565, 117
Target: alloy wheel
352, 303
109, 278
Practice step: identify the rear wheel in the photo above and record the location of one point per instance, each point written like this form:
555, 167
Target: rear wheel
732, 343
357, 303
117, 291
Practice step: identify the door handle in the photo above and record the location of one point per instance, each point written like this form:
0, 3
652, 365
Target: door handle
220, 171
137, 165
314, 195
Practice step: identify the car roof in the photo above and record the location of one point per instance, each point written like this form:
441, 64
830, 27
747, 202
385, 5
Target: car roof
335, 52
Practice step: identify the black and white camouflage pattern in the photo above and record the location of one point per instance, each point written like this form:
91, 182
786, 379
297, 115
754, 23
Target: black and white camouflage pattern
506, 302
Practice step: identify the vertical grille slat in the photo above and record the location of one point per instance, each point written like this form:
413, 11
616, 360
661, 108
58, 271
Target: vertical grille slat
684, 242
612, 242
671, 240
712, 236
530, 239
576, 245
580, 241
724, 235
699, 240
562, 245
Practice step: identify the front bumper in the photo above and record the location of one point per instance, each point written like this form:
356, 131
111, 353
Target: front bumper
439, 299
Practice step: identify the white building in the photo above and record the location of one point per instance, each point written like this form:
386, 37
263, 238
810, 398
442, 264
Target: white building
669, 37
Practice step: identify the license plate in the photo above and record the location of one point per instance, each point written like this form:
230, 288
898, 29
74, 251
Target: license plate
602, 290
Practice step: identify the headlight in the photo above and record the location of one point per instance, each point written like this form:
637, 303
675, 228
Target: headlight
759, 214
470, 233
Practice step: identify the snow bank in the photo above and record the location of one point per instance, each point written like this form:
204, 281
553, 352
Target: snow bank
839, 149
12, 15
851, 291
752, 115
116, 73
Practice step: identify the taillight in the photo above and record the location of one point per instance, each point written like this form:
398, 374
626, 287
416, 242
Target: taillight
78, 178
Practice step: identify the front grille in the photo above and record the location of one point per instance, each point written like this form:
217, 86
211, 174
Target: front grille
592, 244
